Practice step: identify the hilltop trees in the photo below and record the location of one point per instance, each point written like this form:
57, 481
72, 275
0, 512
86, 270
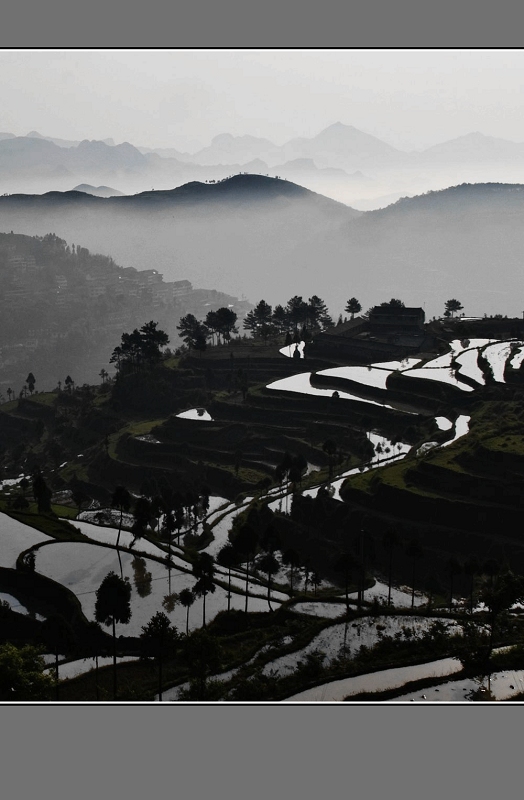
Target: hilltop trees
452, 306
225, 321
392, 305
139, 348
260, 320
30, 380
318, 316
353, 306
193, 332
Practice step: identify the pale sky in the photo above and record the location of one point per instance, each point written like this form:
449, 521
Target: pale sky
182, 98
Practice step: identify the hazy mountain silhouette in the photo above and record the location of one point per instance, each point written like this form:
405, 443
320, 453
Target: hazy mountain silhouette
327, 163
474, 147
228, 149
97, 191
63, 142
266, 238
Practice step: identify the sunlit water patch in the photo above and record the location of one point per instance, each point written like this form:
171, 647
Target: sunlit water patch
290, 350
301, 385
518, 358
196, 414
442, 375
369, 376
469, 366
497, 354
461, 429
444, 423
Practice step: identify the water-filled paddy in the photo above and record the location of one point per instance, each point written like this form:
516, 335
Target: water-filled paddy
369, 376
15, 537
336, 691
497, 354
442, 375
197, 414
81, 567
469, 367
347, 637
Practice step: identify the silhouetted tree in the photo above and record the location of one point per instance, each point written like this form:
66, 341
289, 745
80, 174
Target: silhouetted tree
318, 316
113, 605
390, 542
42, 494
192, 331
330, 448
454, 568
228, 557
245, 543
415, 553
122, 499
59, 638
471, 568
31, 380
226, 320
353, 307
453, 305
316, 580
204, 571
345, 564
159, 640
203, 656
268, 564
260, 320
186, 598
291, 559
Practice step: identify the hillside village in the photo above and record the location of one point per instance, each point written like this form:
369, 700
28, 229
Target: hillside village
74, 304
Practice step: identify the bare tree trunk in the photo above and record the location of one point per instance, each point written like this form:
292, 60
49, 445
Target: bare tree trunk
390, 575
114, 660
247, 581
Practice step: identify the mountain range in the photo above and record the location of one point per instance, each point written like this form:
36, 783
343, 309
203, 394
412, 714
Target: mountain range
266, 238
341, 162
